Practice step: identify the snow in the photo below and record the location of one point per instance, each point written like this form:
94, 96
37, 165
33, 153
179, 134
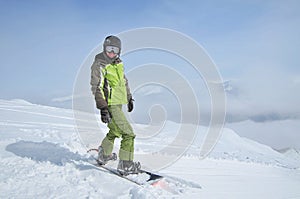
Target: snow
42, 156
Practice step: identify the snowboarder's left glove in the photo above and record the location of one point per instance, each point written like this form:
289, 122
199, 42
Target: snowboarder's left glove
130, 105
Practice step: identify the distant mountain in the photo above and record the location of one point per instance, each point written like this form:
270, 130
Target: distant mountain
291, 153
232, 146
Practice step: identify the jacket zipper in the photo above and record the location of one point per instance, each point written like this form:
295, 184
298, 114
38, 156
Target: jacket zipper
110, 91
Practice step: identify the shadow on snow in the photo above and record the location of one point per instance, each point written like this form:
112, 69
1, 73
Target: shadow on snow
46, 152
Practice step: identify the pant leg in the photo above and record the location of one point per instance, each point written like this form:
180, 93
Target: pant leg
108, 142
127, 144
127, 147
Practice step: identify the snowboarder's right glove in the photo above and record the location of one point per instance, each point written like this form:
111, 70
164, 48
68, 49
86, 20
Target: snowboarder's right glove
105, 115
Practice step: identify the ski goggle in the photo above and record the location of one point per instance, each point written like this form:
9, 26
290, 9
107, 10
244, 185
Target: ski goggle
113, 49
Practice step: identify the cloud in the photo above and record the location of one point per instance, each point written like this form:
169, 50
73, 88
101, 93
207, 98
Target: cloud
264, 95
63, 99
149, 90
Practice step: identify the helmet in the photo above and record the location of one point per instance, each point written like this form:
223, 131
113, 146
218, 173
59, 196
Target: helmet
112, 41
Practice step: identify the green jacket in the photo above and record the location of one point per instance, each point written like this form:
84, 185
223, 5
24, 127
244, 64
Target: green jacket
108, 82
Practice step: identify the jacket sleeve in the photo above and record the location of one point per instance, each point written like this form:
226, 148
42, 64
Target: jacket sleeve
96, 79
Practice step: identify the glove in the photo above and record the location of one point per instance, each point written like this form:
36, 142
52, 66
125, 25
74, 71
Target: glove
105, 115
130, 105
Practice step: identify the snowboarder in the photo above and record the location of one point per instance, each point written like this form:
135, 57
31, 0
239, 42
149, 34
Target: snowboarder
110, 88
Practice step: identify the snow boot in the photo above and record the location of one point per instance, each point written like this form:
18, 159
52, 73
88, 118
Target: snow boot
127, 167
103, 159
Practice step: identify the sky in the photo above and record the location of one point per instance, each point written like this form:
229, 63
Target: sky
255, 45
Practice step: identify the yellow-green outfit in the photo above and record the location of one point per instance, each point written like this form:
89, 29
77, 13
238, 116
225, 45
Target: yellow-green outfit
111, 91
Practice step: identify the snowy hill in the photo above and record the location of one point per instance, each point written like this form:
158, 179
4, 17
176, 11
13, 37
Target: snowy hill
291, 153
41, 156
232, 146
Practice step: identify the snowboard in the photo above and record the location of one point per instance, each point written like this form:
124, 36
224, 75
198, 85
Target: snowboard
147, 178
141, 178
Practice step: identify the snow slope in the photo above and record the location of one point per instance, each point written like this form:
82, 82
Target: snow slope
291, 153
41, 156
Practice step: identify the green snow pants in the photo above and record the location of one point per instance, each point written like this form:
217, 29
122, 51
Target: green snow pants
119, 127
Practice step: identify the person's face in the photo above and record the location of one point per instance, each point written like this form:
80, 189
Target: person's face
111, 54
